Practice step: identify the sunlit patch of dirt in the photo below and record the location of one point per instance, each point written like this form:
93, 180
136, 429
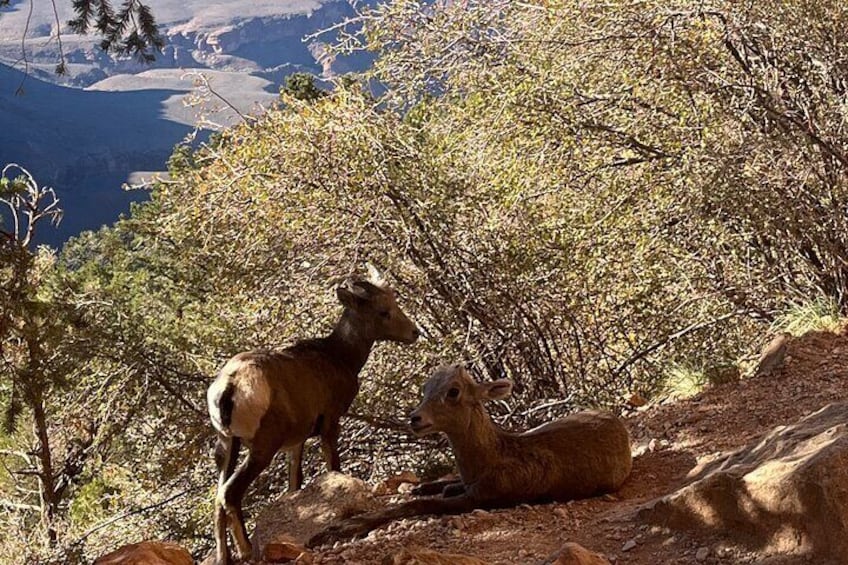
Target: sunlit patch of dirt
672, 439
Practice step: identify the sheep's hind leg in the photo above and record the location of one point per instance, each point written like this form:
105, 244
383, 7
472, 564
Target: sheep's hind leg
234, 490
226, 454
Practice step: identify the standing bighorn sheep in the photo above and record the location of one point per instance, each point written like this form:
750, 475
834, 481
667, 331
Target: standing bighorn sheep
272, 400
582, 455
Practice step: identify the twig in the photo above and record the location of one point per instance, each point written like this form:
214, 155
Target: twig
207, 85
60, 68
19, 506
379, 423
20, 89
134, 512
676, 335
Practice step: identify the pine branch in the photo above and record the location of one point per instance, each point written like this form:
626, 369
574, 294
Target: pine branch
129, 30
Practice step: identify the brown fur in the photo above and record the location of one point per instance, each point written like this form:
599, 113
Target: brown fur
272, 400
583, 455
579, 456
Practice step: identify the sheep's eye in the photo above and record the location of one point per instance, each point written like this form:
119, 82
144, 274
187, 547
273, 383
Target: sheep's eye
453, 393
385, 314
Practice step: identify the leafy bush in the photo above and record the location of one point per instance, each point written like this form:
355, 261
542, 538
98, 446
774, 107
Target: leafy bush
589, 200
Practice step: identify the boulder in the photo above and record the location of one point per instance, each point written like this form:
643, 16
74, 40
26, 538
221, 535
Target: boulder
295, 517
787, 493
773, 356
575, 554
147, 553
418, 556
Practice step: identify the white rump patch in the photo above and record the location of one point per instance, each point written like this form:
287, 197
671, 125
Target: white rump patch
251, 398
213, 393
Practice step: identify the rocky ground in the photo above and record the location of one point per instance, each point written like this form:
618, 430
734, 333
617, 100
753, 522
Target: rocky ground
741, 471
670, 440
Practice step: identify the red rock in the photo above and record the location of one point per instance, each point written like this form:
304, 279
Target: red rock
147, 553
575, 554
286, 552
786, 492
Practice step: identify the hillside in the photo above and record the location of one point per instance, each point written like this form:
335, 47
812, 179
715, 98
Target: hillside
87, 142
85, 133
599, 202
240, 36
670, 439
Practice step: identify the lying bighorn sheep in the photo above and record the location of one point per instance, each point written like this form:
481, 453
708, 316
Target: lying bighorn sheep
583, 455
272, 400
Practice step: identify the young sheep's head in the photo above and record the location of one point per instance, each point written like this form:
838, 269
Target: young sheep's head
450, 398
373, 306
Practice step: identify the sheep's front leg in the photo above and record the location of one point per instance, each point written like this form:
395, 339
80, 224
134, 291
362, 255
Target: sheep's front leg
445, 487
296, 467
330, 446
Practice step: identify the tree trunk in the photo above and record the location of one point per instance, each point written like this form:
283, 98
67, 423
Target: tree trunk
46, 489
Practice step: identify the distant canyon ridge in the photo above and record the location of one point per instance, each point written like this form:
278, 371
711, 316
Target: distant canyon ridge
109, 119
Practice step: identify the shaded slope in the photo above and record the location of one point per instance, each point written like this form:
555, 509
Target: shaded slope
85, 143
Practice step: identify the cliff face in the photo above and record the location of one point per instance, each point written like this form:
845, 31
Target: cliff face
237, 35
86, 132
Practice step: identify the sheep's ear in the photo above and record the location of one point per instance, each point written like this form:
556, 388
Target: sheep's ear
375, 277
495, 390
351, 293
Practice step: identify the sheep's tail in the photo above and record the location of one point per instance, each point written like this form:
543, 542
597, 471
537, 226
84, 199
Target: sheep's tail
225, 405
221, 401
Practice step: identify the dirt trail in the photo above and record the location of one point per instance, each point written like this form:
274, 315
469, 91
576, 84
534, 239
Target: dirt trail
680, 435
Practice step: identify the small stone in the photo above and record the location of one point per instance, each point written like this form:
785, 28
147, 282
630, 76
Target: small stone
630, 544
702, 554
636, 400
575, 554
284, 552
